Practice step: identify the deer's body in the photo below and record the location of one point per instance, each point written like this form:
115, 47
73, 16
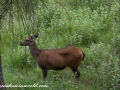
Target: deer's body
57, 59
60, 58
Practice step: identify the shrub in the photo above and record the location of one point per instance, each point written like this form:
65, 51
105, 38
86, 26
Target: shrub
116, 44
105, 65
22, 60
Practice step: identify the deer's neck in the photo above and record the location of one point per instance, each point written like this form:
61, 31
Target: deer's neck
34, 50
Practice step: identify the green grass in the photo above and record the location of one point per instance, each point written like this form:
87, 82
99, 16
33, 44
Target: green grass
93, 29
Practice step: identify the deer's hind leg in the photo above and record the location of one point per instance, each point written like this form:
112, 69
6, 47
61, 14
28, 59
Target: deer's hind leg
76, 73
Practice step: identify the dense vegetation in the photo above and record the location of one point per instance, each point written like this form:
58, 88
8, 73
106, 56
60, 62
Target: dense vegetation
92, 25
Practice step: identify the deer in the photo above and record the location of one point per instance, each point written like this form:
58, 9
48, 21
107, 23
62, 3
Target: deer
55, 59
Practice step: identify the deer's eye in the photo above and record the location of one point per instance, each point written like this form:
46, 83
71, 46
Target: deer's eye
31, 37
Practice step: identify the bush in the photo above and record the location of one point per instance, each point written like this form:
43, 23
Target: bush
116, 44
104, 65
22, 60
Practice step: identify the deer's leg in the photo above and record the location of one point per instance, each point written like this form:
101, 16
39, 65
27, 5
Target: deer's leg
44, 73
77, 74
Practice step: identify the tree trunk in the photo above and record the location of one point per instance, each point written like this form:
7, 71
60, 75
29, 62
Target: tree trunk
1, 76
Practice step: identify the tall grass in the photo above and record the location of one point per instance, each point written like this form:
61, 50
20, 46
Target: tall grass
92, 25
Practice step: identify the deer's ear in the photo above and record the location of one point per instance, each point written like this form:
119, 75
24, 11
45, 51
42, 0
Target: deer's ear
36, 35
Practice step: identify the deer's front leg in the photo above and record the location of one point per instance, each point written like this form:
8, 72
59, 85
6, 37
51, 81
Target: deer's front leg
44, 73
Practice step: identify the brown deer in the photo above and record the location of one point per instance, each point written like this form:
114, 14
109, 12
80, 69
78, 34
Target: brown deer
57, 59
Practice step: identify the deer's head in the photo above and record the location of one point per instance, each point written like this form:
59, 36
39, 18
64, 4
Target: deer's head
29, 41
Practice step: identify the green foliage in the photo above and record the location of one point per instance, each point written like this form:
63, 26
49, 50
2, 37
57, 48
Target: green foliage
23, 60
92, 25
116, 44
104, 66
